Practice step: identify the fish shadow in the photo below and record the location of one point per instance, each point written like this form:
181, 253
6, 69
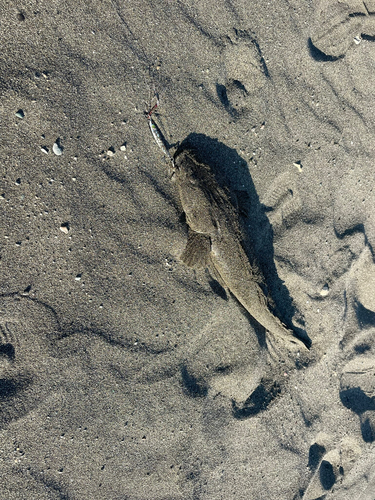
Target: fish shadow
232, 173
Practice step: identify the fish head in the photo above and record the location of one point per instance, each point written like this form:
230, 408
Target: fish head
186, 167
196, 187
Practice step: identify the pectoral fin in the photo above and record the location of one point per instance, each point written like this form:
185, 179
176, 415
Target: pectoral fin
197, 251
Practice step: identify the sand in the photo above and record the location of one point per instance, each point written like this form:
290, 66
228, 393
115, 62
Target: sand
125, 374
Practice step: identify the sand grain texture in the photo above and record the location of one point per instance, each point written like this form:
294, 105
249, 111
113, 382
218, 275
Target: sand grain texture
125, 374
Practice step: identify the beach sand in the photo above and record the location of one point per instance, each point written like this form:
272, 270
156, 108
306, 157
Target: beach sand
124, 373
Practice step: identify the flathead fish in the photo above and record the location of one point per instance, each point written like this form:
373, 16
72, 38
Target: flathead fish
215, 241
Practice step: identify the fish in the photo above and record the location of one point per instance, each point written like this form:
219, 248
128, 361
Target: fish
156, 132
215, 241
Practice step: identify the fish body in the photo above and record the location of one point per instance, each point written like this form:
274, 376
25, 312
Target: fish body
159, 138
156, 132
215, 241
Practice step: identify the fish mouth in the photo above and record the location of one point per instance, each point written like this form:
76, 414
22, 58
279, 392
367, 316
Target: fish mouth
181, 163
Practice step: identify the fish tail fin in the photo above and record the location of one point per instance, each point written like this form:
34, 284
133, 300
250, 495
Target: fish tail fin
285, 349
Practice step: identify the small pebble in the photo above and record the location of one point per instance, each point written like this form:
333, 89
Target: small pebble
123, 147
78, 277
65, 227
57, 149
324, 291
110, 153
298, 164
44, 149
20, 113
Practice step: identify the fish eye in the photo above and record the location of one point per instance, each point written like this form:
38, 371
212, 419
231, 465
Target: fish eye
192, 178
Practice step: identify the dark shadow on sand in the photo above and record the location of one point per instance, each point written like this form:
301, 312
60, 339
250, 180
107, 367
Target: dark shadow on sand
357, 401
258, 401
192, 387
318, 55
366, 318
232, 172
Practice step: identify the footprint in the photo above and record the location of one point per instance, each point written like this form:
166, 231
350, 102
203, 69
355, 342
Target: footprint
360, 303
357, 391
245, 72
357, 382
236, 365
365, 282
342, 24
329, 464
26, 328
223, 361
282, 200
258, 401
